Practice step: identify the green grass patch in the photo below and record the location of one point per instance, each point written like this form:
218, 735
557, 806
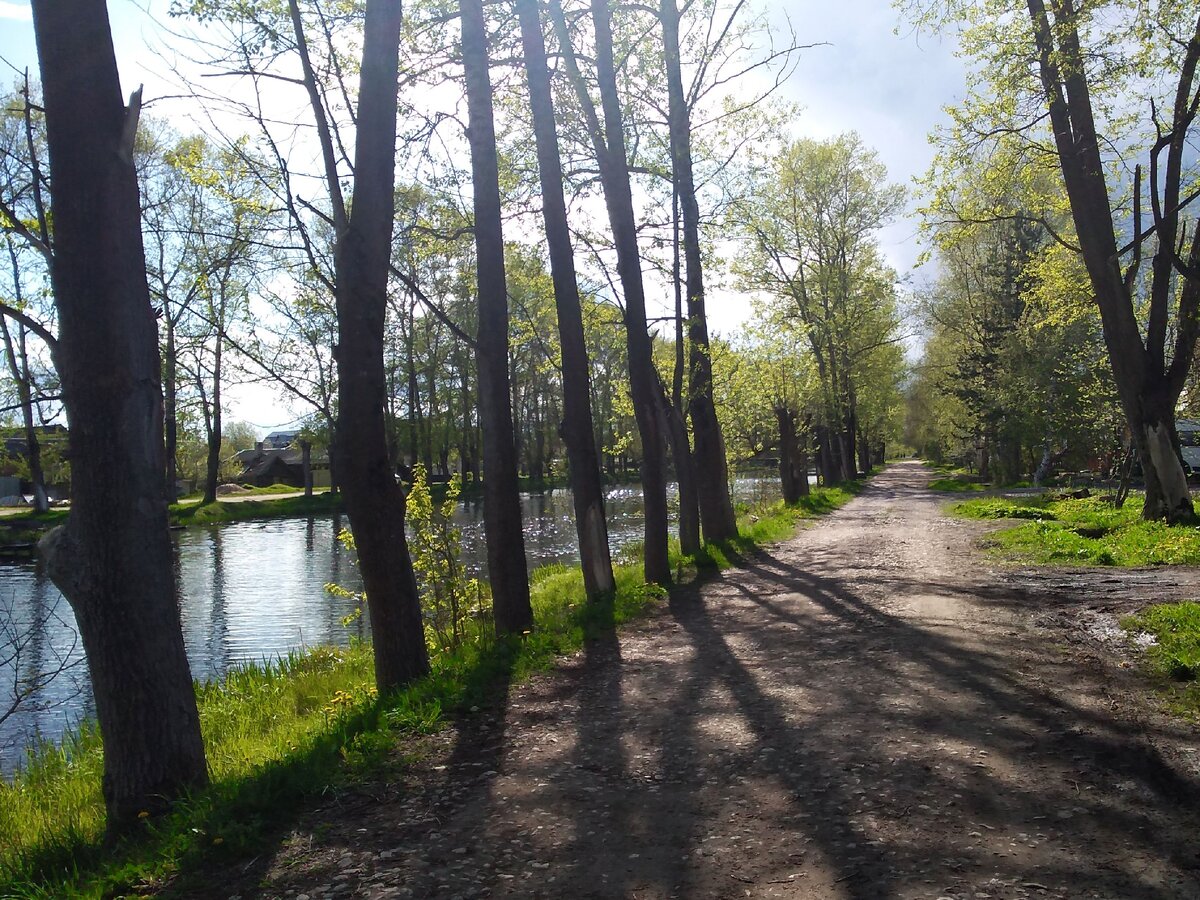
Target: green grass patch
267, 490
1175, 655
250, 490
1088, 531
280, 733
954, 479
1176, 630
47, 519
957, 485
211, 513
222, 511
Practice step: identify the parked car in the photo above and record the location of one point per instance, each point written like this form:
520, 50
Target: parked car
1189, 445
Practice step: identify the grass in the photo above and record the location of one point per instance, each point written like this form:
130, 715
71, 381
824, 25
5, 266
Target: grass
1175, 655
954, 479
280, 733
185, 514
48, 518
222, 512
1088, 531
957, 484
249, 490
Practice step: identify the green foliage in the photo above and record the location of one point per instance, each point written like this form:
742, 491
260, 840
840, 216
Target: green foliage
345, 537
450, 597
1176, 630
453, 602
811, 223
1006, 381
1089, 531
1028, 377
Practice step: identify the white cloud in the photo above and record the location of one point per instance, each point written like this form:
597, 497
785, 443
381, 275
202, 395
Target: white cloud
21, 11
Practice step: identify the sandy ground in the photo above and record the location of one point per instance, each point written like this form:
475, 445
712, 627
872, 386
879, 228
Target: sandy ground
870, 710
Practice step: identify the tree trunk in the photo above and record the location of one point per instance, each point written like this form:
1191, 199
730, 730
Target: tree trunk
335, 476
712, 483
1167, 494
827, 456
685, 476
112, 560
18, 366
171, 390
374, 501
306, 464
414, 392
675, 411
864, 454
793, 461
508, 570
427, 435
587, 488
213, 467
643, 379
1148, 387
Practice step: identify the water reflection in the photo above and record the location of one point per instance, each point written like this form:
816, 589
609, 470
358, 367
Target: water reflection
252, 591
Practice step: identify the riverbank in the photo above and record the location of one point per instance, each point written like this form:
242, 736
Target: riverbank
280, 734
20, 530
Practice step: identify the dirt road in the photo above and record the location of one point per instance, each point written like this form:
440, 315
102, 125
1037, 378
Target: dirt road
870, 710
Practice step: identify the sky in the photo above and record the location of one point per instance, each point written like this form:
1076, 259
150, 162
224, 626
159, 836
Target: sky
869, 73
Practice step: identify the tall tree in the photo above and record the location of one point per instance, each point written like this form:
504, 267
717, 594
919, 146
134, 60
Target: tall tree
26, 227
112, 560
712, 483
612, 157
507, 568
812, 227
1148, 381
586, 486
1075, 77
374, 501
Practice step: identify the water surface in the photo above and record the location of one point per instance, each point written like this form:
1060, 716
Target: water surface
253, 591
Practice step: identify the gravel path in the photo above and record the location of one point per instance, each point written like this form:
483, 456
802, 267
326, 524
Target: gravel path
870, 710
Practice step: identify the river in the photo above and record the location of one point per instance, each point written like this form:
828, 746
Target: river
253, 591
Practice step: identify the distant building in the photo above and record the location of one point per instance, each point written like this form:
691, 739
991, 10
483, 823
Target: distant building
279, 459
280, 440
15, 443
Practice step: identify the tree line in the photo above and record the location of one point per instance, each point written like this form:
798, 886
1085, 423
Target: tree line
492, 318
578, 184
1064, 318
